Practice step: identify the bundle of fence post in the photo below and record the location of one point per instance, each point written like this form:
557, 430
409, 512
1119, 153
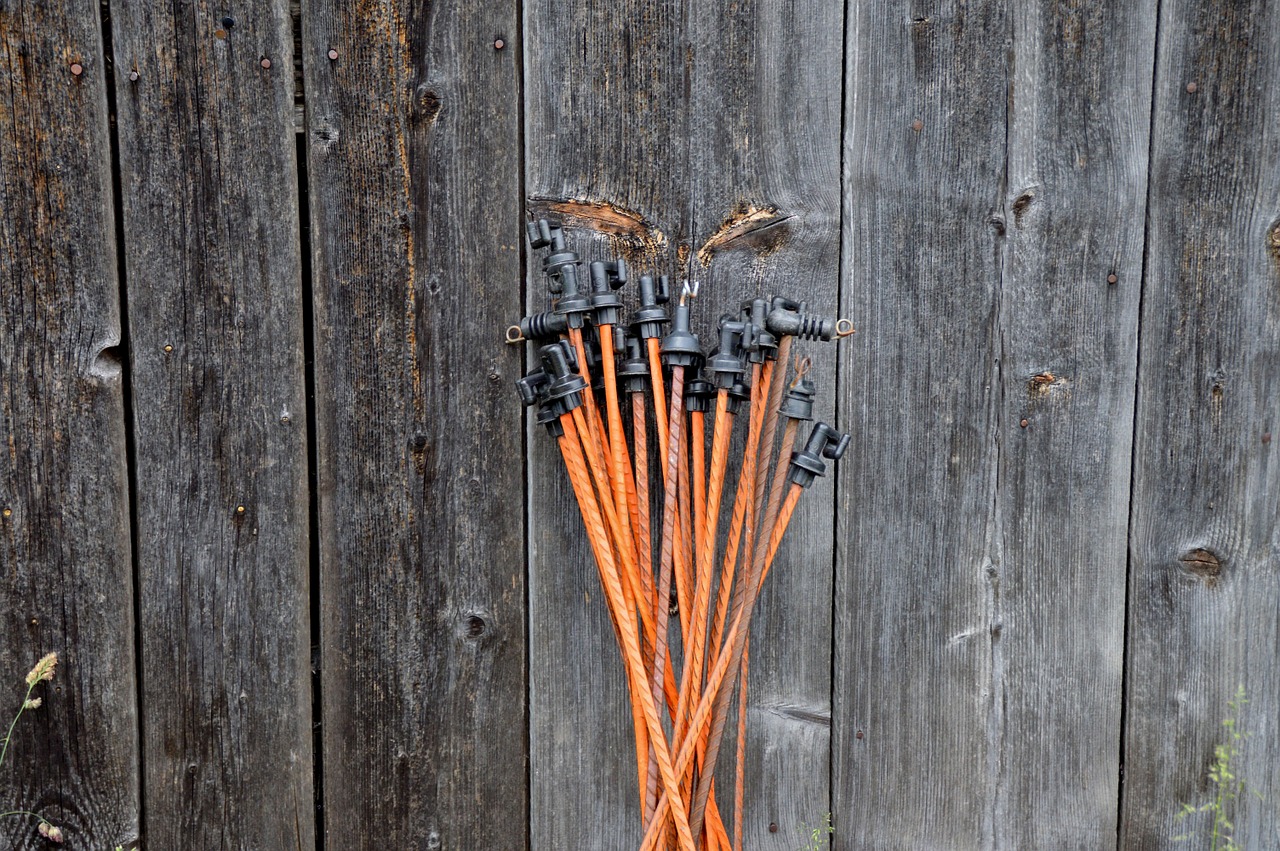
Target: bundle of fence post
595, 373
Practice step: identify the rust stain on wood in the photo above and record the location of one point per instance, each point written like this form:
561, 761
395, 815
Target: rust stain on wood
756, 227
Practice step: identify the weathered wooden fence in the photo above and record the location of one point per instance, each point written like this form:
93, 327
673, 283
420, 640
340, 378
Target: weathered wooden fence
315, 583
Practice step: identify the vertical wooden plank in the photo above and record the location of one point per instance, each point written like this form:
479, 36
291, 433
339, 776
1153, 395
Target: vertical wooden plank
765, 175
1204, 586
413, 150
211, 247
1078, 140
925, 93
65, 564
995, 176
606, 125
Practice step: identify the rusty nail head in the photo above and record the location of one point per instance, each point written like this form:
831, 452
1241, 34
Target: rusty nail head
219, 33
1266, 437
333, 54
1191, 88
239, 509
917, 125
498, 44
1111, 279
77, 69
773, 827
858, 734
1023, 423
266, 63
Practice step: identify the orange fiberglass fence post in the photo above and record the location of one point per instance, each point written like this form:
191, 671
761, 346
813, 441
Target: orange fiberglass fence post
613, 482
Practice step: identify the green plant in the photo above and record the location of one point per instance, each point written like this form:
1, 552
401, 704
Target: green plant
42, 672
1226, 787
815, 838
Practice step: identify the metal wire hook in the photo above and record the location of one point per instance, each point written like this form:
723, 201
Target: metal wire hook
803, 365
844, 328
516, 337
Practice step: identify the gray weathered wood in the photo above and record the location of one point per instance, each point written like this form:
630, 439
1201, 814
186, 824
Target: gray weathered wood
995, 179
765, 173
413, 151
65, 574
215, 321
1203, 591
723, 186
606, 124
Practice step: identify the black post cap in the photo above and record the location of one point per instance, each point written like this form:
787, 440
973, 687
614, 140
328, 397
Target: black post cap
759, 343
681, 347
650, 318
699, 395
739, 395
798, 403
824, 442
633, 372
564, 387
726, 365
605, 278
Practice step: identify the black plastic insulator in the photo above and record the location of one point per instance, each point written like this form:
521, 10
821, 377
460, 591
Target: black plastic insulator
633, 372
544, 233
595, 366
739, 395
651, 316
700, 395
605, 278
792, 319
572, 304
758, 342
543, 327
564, 387
531, 387
726, 366
560, 265
681, 347
824, 442
798, 403
533, 391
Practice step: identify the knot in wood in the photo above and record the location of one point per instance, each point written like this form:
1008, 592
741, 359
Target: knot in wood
1202, 563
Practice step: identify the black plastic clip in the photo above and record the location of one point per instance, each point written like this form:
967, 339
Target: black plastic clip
726, 365
633, 372
651, 316
824, 442
758, 342
605, 279
681, 347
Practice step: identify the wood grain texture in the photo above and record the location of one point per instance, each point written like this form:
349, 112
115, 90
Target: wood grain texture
211, 248
606, 123
740, 104
1204, 585
65, 563
413, 151
995, 179
765, 175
